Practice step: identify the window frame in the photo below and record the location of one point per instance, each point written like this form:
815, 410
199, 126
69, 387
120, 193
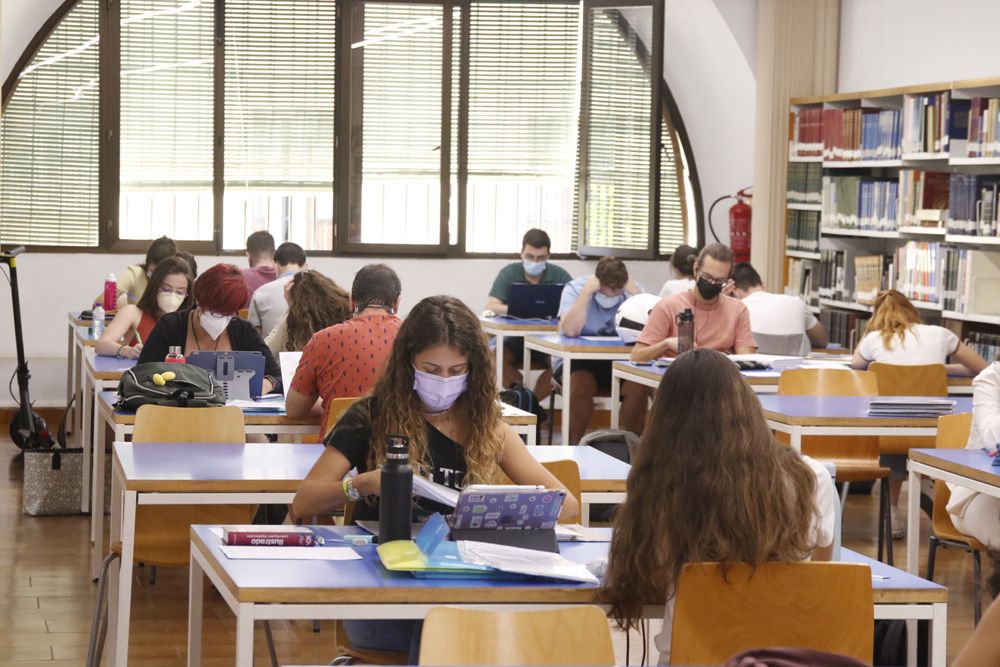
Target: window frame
109, 149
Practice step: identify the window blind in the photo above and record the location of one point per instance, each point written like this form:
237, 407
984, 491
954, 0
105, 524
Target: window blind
49, 173
673, 204
166, 131
523, 75
616, 191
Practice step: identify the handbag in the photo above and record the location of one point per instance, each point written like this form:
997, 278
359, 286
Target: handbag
191, 386
53, 481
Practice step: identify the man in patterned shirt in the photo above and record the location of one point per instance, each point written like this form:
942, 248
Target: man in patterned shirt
346, 359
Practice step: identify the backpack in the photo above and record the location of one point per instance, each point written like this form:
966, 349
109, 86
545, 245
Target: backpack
192, 387
619, 444
522, 398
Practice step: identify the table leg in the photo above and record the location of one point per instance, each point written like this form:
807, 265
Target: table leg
795, 438
70, 364
196, 603
89, 401
566, 393
121, 611
79, 390
244, 635
616, 391
911, 642
913, 524
114, 571
939, 635
499, 358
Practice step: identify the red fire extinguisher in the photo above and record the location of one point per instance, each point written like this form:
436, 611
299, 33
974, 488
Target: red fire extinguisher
739, 224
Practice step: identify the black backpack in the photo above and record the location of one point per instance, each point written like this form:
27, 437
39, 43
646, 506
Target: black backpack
192, 387
522, 398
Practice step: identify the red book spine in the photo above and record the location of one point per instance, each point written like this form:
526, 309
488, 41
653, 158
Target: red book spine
269, 539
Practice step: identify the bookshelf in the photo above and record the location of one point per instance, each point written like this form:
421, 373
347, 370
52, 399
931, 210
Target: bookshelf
898, 187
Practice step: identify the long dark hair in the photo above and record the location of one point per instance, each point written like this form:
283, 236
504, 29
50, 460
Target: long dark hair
440, 320
315, 302
165, 267
708, 483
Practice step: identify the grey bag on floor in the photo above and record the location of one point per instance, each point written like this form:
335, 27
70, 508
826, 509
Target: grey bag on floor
53, 481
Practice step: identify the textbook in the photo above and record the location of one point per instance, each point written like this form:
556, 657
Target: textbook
268, 536
910, 406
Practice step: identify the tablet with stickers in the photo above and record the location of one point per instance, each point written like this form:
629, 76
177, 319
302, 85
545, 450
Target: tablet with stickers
491, 507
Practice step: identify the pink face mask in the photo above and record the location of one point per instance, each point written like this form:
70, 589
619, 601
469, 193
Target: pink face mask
437, 393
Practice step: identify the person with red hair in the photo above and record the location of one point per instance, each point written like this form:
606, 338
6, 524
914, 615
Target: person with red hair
213, 325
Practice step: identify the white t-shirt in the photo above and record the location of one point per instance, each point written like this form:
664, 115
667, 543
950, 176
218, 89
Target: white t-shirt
985, 429
921, 344
268, 303
676, 286
824, 528
779, 314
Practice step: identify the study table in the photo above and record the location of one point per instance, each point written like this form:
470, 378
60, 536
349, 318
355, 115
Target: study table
363, 589
502, 327
100, 373
204, 473
574, 348
969, 468
843, 415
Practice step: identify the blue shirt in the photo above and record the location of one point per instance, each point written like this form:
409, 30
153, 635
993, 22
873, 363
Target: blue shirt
600, 321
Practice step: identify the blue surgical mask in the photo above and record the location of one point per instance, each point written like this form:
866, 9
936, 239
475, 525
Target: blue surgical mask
437, 393
533, 269
605, 301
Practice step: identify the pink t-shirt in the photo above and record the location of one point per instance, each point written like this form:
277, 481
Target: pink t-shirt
722, 326
257, 276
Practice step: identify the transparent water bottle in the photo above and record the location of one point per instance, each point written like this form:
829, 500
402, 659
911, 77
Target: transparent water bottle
97, 325
174, 355
685, 331
396, 492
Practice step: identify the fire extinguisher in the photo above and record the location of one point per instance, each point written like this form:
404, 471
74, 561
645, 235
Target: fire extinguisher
739, 224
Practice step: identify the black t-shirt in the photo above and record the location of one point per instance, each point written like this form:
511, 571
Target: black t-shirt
352, 437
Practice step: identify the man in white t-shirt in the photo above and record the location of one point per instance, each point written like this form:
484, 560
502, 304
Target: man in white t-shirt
268, 303
776, 314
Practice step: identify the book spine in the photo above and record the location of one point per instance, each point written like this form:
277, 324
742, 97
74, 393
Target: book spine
269, 539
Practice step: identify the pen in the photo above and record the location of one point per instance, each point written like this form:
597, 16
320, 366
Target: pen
879, 577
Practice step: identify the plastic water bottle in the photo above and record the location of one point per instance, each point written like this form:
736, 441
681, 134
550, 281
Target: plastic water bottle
174, 355
685, 331
110, 292
397, 491
97, 327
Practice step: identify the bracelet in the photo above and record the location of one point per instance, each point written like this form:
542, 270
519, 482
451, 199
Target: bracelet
349, 490
119, 352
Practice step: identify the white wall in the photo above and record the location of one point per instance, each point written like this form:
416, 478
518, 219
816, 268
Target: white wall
19, 21
887, 43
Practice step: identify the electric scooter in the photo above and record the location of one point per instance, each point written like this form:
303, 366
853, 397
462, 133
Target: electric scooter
27, 428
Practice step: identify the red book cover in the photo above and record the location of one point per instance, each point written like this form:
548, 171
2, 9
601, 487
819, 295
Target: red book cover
268, 536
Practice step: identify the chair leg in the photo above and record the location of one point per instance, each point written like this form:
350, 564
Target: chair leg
270, 644
977, 601
932, 545
98, 626
316, 627
552, 412
888, 521
843, 494
152, 575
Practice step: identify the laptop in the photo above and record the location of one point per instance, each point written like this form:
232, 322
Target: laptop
527, 301
240, 373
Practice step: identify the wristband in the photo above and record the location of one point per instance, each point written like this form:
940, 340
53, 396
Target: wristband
349, 490
119, 352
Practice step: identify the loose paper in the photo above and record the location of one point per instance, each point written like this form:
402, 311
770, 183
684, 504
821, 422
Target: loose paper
289, 361
289, 553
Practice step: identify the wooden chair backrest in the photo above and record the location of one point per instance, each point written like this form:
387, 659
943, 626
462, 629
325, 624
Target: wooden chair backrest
163, 532
338, 407
898, 380
953, 433
827, 382
568, 474
821, 606
572, 636
244, 313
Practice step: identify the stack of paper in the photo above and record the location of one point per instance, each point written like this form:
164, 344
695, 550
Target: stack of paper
910, 406
773, 361
439, 493
515, 560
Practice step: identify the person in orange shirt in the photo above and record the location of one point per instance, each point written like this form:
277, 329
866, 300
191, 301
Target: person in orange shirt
721, 322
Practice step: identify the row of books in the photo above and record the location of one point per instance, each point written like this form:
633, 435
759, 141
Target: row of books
805, 182
987, 345
931, 121
861, 134
831, 283
800, 278
984, 114
844, 328
923, 197
802, 231
918, 265
856, 202
970, 281
972, 205
872, 274
806, 130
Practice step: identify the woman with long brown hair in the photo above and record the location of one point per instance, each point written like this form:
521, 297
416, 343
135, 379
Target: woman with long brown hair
314, 303
438, 389
710, 483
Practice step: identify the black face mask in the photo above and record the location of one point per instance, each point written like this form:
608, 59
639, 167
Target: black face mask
708, 289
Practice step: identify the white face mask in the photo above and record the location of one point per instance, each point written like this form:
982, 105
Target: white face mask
169, 302
213, 324
533, 269
605, 301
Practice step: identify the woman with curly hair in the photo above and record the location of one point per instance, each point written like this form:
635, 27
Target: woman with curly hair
314, 303
710, 483
438, 389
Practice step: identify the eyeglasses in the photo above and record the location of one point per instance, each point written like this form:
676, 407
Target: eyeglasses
221, 315
167, 289
715, 281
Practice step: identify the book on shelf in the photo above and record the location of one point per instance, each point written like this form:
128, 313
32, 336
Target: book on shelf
806, 132
919, 271
970, 282
872, 274
923, 197
802, 231
805, 183
845, 328
972, 205
832, 275
983, 117
933, 122
858, 202
861, 134
986, 345
800, 278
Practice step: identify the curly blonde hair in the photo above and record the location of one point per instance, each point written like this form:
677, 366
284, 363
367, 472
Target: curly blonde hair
440, 320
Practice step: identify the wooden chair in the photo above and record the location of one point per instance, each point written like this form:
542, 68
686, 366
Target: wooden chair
822, 606
856, 459
896, 380
338, 407
953, 433
572, 636
244, 313
568, 474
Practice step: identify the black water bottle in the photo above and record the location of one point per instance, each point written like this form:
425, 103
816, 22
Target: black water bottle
397, 491
685, 331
